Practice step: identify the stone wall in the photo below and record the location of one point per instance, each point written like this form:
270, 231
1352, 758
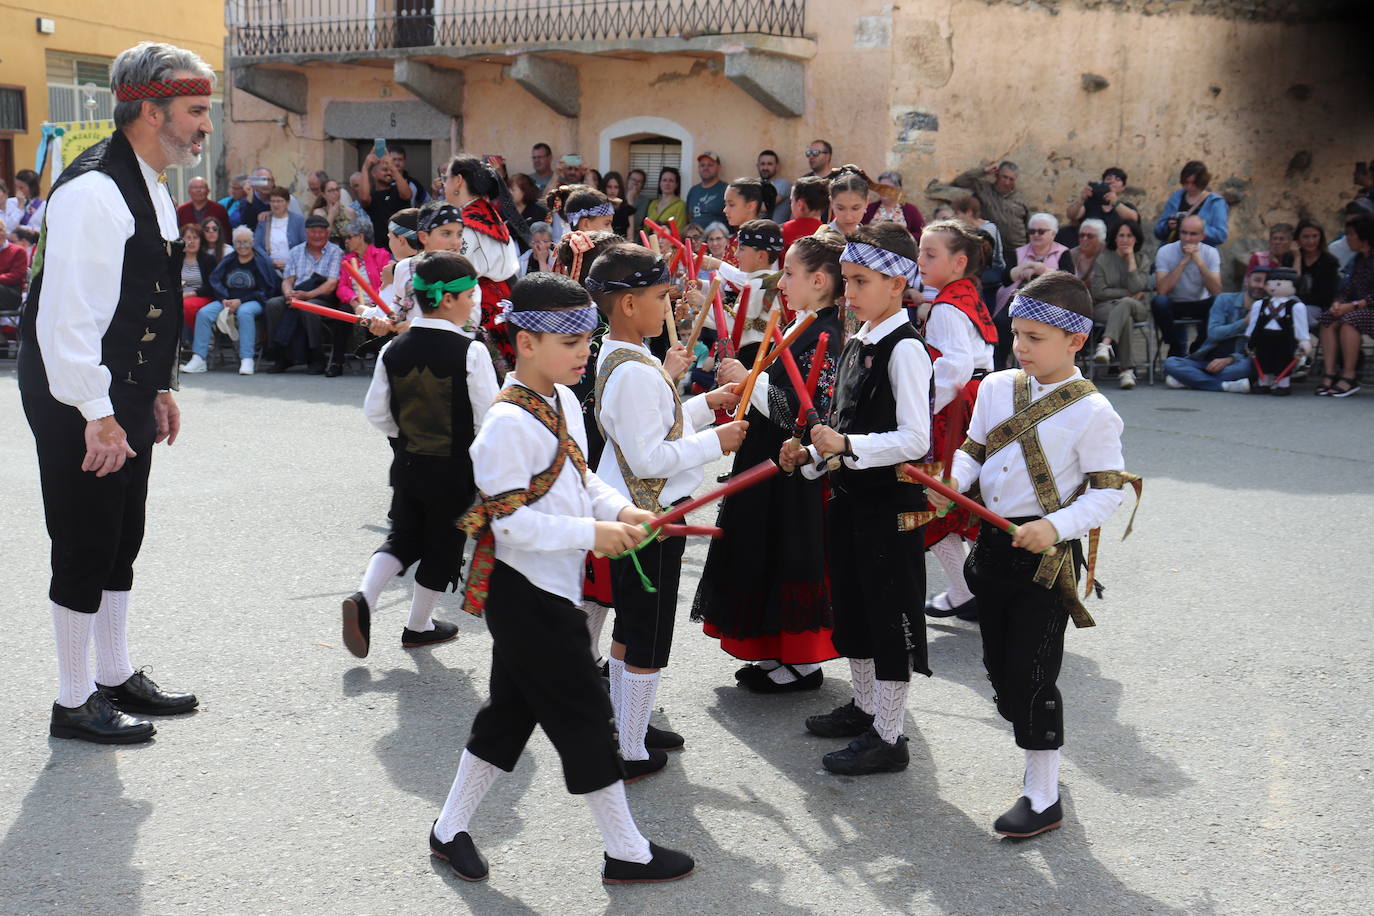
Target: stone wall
1262, 10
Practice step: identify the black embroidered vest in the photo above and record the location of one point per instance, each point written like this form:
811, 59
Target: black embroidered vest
427, 370
140, 347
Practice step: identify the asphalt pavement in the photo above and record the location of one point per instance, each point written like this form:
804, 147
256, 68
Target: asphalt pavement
1218, 719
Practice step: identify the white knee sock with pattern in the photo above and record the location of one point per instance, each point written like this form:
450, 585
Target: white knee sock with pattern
72, 630
949, 550
861, 679
637, 692
596, 622
1042, 779
474, 778
422, 609
618, 831
112, 666
890, 711
381, 568
781, 674
617, 673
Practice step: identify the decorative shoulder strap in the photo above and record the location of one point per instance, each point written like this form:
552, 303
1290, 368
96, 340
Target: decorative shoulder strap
644, 492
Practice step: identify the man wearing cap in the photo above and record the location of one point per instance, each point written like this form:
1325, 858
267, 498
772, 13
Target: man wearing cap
96, 365
311, 273
706, 201
571, 169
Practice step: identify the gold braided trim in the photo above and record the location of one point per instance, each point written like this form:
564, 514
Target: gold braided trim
910, 521
756, 324
645, 492
933, 468
975, 450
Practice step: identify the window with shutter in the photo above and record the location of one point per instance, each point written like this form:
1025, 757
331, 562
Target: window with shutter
652, 154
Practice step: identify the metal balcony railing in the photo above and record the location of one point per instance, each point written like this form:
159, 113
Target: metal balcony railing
260, 28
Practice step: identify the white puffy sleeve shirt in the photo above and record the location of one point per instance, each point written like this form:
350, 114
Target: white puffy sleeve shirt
481, 382
962, 350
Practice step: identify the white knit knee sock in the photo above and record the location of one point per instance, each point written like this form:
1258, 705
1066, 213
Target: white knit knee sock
618, 831
72, 630
949, 550
780, 674
380, 568
890, 713
861, 679
112, 666
1042, 779
422, 609
637, 692
596, 622
617, 672
474, 778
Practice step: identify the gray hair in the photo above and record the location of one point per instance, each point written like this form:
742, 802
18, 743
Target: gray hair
147, 62
890, 178
539, 226
241, 231
1044, 218
1095, 224
712, 227
361, 226
1009, 166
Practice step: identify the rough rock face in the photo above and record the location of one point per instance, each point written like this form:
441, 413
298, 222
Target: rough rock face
1263, 10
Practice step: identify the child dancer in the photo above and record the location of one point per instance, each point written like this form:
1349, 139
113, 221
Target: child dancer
961, 335
757, 246
429, 392
1277, 332
1045, 450
654, 455
879, 418
438, 227
746, 199
581, 208
545, 510
849, 188
763, 592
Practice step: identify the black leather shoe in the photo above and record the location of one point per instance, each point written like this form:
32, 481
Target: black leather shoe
461, 855
443, 631
638, 769
278, 367
98, 722
334, 371
357, 624
968, 611
845, 721
315, 369
663, 740
1020, 820
666, 865
749, 673
1283, 392
959, 610
866, 754
766, 684
139, 694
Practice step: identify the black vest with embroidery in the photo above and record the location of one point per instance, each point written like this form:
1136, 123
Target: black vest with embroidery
140, 347
1284, 308
427, 370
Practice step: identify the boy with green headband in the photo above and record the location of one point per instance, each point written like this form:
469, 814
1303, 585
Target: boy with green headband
429, 393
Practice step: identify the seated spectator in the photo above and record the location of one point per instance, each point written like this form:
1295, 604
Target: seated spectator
891, 205
312, 273
1042, 254
1103, 201
1341, 251
1319, 274
1280, 250
25, 208
1351, 315
945, 211
14, 268
994, 186
614, 188
241, 284
717, 240
200, 207
234, 202
1219, 363
281, 230
259, 198
1193, 199
216, 235
1187, 277
198, 262
370, 260
669, 205
337, 212
1118, 284
1092, 241
693, 233
541, 254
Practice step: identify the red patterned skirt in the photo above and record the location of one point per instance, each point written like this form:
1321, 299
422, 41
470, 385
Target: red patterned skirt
502, 350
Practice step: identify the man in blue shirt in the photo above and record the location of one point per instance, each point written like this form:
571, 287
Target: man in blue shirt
311, 273
1220, 364
706, 201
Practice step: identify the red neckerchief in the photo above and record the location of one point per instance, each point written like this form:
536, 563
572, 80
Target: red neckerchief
480, 216
964, 295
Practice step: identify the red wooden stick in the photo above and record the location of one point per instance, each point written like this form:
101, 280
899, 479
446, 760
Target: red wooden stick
741, 313
808, 415
755, 475
1286, 369
672, 227
366, 287
978, 509
325, 311
718, 309
813, 377
675, 531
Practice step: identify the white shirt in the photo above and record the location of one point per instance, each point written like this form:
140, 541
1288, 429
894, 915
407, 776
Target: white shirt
88, 224
481, 381
909, 373
1083, 437
546, 541
636, 411
962, 350
493, 260
1300, 326
279, 245
739, 279
14, 213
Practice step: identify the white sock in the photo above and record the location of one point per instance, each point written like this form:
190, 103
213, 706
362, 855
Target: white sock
861, 679
1284, 382
112, 666
596, 622
474, 778
891, 709
637, 693
422, 609
618, 831
780, 674
617, 672
949, 550
380, 568
72, 630
768, 664
1042, 779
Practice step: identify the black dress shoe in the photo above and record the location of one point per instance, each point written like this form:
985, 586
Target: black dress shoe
749, 672
278, 367
443, 631
968, 611
98, 722
844, 721
357, 624
666, 865
958, 610
866, 754
638, 769
139, 694
663, 740
766, 684
315, 369
461, 855
334, 371
1283, 392
1020, 820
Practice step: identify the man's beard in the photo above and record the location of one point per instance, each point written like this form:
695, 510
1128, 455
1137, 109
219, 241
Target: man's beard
179, 152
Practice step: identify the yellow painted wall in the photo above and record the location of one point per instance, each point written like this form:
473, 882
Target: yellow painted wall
100, 29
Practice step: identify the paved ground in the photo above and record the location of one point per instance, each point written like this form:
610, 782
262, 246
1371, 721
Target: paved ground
1219, 718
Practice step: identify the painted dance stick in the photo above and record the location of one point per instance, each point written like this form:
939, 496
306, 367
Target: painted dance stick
325, 311
742, 481
1286, 369
362, 284
747, 389
685, 531
718, 309
671, 320
741, 317
700, 321
992, 518
813, 377
790, 339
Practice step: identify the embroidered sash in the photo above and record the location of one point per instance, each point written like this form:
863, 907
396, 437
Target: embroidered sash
476, 522
645, 493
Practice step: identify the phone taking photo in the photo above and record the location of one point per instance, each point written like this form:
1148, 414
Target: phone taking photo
379, 147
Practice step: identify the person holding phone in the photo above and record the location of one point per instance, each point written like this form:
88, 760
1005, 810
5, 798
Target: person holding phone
385, 189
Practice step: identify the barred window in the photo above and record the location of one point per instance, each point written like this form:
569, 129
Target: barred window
12, 115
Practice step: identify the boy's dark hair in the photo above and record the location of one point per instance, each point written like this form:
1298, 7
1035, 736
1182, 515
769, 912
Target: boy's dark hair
440, 267
812, 191
1061, 288
756, 190
409, 218
545, 291
821, 252
888, 236
26, 234
613, 265
763, 227
601, 239
569, 198
1109, 172
976, 245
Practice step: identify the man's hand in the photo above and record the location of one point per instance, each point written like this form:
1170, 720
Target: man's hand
1216, 365
1037, 536
730, 371
380, 327
614, 538
633, 515
232, 305
827, 441
676, 361
793, 455
168, 416
1110, 200
107, 448
732, 434
726, 397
